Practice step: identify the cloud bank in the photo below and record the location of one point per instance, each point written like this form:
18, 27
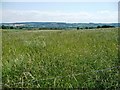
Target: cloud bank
104, 16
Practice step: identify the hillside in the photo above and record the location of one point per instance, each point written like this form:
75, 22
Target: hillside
57, 24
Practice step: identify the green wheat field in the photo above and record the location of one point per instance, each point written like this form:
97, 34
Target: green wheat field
60, 59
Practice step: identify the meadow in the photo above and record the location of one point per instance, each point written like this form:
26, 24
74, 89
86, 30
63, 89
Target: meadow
60, 59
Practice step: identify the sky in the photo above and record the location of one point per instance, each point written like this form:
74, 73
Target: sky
60, 0
70, 12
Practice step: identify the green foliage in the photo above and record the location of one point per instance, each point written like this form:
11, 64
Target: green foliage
106, 26
31, 56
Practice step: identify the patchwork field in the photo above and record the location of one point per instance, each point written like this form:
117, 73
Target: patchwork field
57, 59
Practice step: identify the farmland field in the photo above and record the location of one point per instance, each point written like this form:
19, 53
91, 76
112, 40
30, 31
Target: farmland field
57, 59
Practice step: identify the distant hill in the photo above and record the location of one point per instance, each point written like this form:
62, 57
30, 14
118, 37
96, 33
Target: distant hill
57, 24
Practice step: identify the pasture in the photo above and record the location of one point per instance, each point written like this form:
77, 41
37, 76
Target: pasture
60, 59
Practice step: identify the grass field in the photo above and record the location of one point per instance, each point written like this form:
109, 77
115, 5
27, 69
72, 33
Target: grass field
57, 59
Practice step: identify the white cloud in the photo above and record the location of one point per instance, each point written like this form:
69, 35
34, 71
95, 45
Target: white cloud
34, 15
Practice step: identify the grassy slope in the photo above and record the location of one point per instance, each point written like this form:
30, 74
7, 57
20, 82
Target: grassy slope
31, 56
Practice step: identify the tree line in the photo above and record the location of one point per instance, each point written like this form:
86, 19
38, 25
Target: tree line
104, 26
46, 28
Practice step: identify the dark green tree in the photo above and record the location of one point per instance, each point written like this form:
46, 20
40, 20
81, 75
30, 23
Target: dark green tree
77, 28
